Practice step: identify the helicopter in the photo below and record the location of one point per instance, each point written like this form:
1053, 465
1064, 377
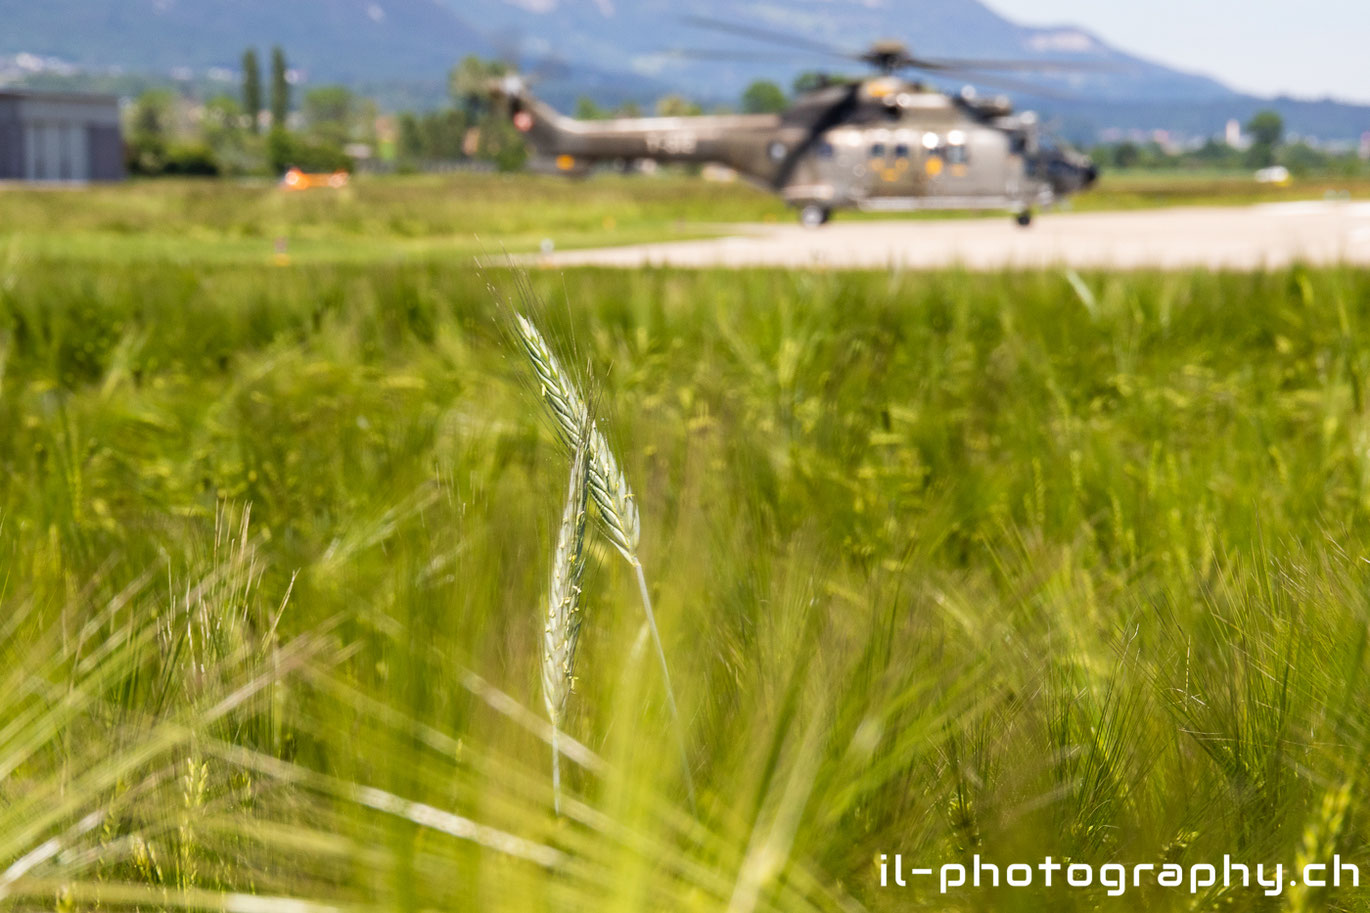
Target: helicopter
881, 143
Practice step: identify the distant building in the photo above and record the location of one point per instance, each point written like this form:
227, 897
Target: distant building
1233, 134
59, 136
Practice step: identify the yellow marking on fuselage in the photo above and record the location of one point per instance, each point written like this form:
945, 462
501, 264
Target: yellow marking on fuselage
893, 173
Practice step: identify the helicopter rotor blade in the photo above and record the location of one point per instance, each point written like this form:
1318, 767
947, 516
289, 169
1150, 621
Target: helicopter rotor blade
1012, 85
757, 33
508, 44
1041, 66
739, 56
889, 59
550, 68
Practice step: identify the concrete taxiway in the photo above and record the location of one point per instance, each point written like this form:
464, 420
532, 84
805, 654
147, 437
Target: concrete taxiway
1251, 237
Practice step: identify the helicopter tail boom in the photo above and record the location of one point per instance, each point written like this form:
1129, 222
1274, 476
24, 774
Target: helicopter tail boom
723, 139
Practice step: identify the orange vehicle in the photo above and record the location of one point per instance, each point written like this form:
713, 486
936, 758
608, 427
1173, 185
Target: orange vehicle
295, 179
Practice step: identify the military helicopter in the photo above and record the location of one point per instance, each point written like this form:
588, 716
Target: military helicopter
881, 143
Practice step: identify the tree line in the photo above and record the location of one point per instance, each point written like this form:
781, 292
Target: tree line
247, 134
1263, 143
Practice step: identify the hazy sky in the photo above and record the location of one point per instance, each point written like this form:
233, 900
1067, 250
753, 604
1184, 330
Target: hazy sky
1310, 48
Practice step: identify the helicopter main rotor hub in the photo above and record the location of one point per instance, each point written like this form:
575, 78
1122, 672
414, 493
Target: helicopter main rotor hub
887, 56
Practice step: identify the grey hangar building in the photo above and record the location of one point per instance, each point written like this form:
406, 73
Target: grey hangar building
59, 137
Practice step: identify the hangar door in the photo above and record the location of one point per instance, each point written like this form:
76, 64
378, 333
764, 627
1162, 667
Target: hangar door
56, 151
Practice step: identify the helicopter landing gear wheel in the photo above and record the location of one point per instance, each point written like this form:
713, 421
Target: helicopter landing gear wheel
1024, 218
814, 215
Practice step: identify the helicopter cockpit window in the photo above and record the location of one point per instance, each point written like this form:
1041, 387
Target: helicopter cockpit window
824, 150
901, 151
1017, 143
877, 150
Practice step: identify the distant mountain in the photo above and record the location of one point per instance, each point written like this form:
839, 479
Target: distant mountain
400, 50
346, 40
618, 50
645, 38
641, 36
1085, 119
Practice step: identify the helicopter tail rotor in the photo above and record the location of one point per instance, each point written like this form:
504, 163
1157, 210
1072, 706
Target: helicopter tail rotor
544, 129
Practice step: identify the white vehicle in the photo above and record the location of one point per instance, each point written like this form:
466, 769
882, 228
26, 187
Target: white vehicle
1276, 174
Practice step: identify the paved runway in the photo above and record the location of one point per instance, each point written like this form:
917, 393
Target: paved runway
1268, 235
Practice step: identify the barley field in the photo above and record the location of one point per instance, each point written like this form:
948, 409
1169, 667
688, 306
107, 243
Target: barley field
942, 564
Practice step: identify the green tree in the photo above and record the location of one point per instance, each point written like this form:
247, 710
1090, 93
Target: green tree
1302, 160
286, 149
365, 115
810, 81
500, 143
409, 141
193, 159
587, 109
234, 149
1126, 155
280, 88
677, 106
763, 97
1215, 153
469, 84
434, 137
148, 134
280, 150
444, 133
1152, 155
1266, 129
330, 113
222, 121
252, 88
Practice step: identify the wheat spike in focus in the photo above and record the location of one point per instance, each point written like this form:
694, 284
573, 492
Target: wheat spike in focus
562, 630
607, 487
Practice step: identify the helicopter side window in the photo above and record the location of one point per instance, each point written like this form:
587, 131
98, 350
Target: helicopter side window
824, 150
956, 154
1017, 144
901, 151
877, 150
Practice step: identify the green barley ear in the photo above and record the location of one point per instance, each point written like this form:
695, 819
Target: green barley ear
607, 486
562, 630
613, 498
